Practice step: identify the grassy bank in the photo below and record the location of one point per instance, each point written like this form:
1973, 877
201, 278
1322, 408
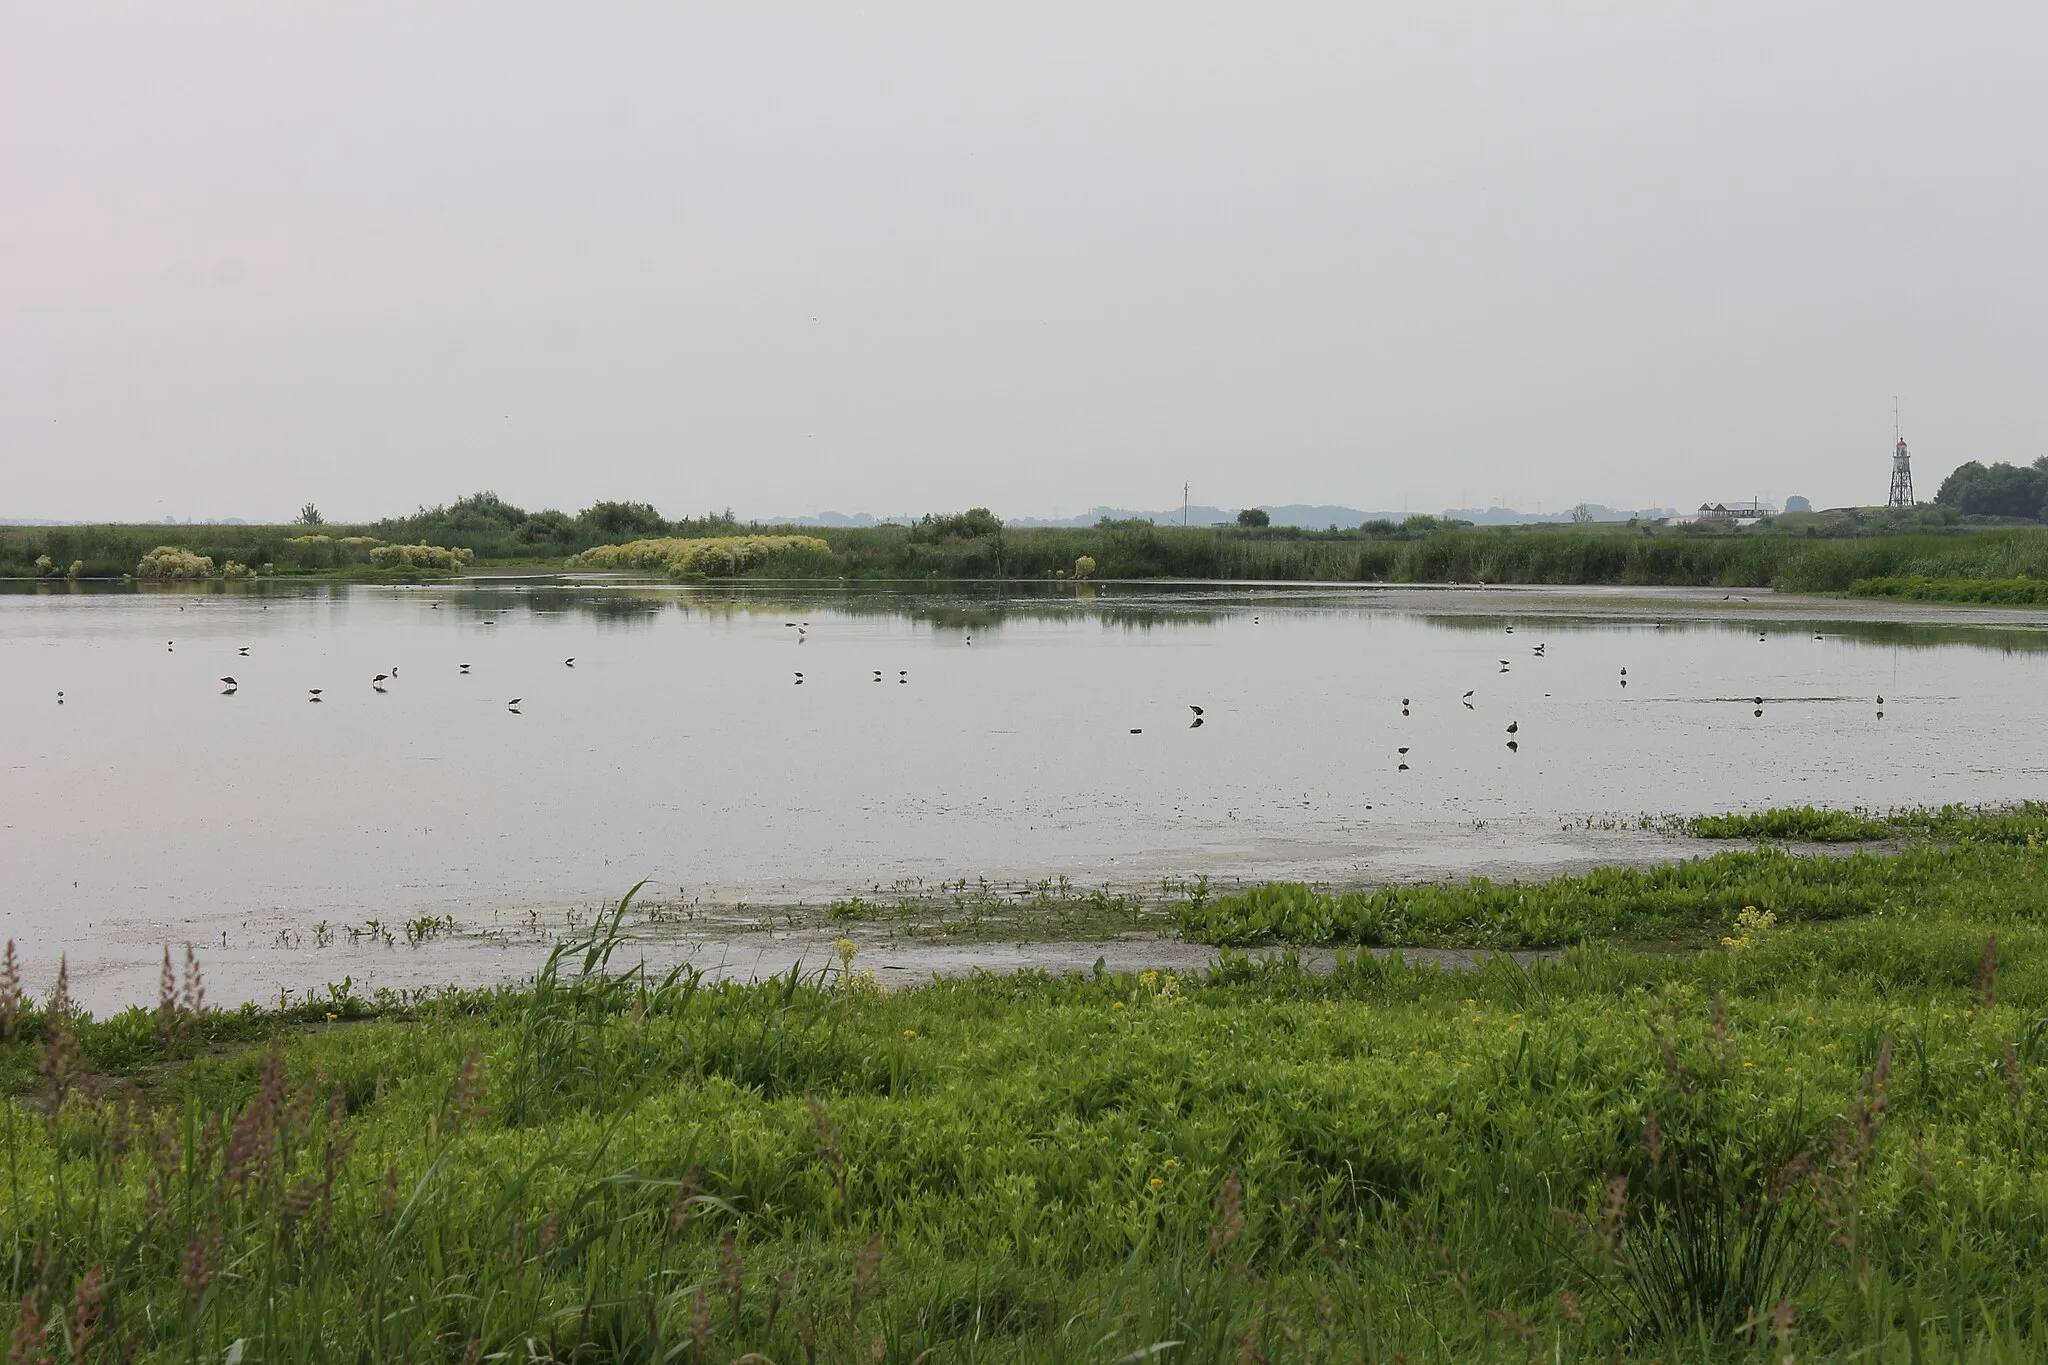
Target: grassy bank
1820, 1136
2003, 592
1989, 859
1612, 555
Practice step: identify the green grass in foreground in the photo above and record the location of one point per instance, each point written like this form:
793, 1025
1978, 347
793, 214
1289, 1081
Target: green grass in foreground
1824, 1138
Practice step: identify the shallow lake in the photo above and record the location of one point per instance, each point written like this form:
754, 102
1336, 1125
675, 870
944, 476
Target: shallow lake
1009, 736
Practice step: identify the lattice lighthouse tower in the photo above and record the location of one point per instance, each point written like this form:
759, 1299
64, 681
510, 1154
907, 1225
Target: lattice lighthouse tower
1902, 476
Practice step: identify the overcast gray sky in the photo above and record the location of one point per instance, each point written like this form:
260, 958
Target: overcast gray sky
1034, 256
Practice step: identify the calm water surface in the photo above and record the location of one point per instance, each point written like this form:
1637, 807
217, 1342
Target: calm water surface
149, 807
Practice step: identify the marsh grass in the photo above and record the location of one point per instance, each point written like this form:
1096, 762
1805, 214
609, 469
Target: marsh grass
1820, 1144
1988, 858
2004, 592
1787, 557
2024, 824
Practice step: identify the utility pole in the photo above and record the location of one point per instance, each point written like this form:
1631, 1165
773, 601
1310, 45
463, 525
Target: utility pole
1183, 505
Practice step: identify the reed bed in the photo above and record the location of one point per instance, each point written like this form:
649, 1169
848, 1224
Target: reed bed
1809, 1139
709, 557
1559, 555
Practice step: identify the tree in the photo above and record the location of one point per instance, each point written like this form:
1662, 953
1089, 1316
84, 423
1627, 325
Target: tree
1999, 490
545, 527
972, 524
622, 519
309, 515
1254, 517
1795, 503
484, 511
1581, 514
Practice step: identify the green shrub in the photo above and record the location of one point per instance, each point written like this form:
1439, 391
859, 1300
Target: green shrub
169, 561
420, 557
713, 557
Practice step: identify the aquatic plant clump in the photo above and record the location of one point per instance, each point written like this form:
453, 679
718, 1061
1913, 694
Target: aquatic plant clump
712, 557
420, 557
170, 562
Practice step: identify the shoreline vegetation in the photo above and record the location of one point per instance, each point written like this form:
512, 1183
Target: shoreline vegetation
1925, 554
1808, 1122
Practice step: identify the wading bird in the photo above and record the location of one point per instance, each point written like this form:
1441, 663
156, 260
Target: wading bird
244, 650
230, 682
569, 662
515, 701
1196, 709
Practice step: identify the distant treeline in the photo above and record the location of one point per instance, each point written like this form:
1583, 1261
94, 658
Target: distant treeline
1998, 490
1810, 553
483, 523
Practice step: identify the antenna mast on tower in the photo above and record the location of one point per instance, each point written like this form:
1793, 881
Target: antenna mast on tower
1902, 466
